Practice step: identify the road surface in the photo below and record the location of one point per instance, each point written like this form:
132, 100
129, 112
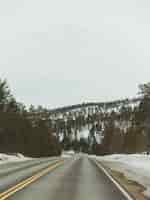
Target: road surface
76, 179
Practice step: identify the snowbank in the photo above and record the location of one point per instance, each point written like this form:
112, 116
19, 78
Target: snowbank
5, 158
139, 161
134, 166
67, 154
84, 132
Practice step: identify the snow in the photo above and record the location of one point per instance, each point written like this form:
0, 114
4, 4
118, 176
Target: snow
84, 132
141, 161
5, 158
134, 166
67, 154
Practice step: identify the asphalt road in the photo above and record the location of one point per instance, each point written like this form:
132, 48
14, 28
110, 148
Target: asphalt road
76, 179
13, 173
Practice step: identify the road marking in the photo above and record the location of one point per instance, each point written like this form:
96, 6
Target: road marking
28, 181
121, 189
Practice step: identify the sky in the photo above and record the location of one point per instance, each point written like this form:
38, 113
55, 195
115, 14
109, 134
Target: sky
57, 53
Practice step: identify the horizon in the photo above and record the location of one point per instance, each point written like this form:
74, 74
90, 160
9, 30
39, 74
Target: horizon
76, 52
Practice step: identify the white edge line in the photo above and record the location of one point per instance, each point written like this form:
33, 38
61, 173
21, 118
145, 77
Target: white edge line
126, 194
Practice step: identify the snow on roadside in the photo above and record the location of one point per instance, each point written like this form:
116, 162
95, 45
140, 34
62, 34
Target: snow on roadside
84, 132
134, 166
5, 158
67, 154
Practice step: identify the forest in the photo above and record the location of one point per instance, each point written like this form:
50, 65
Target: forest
123, 125
17, 131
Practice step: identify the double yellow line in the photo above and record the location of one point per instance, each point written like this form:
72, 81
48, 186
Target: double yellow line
28, 181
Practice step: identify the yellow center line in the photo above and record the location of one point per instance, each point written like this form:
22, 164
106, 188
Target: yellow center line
28, 181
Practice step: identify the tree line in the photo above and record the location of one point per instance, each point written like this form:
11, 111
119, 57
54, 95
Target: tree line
127, 130
37, 131
17, 131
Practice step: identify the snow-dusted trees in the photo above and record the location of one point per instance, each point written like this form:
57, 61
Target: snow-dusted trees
5, 94
143, 114
145, 89
4, 91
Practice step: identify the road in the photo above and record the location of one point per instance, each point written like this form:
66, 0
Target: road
76, 179
13, 173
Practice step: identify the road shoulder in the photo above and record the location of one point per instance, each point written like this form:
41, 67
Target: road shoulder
135, 190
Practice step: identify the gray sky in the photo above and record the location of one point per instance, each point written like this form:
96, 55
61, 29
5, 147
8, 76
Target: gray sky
64, 52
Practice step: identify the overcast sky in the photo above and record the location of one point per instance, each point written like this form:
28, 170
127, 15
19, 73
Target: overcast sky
60, 52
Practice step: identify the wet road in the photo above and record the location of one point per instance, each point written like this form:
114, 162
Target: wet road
13, 173
77, 179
